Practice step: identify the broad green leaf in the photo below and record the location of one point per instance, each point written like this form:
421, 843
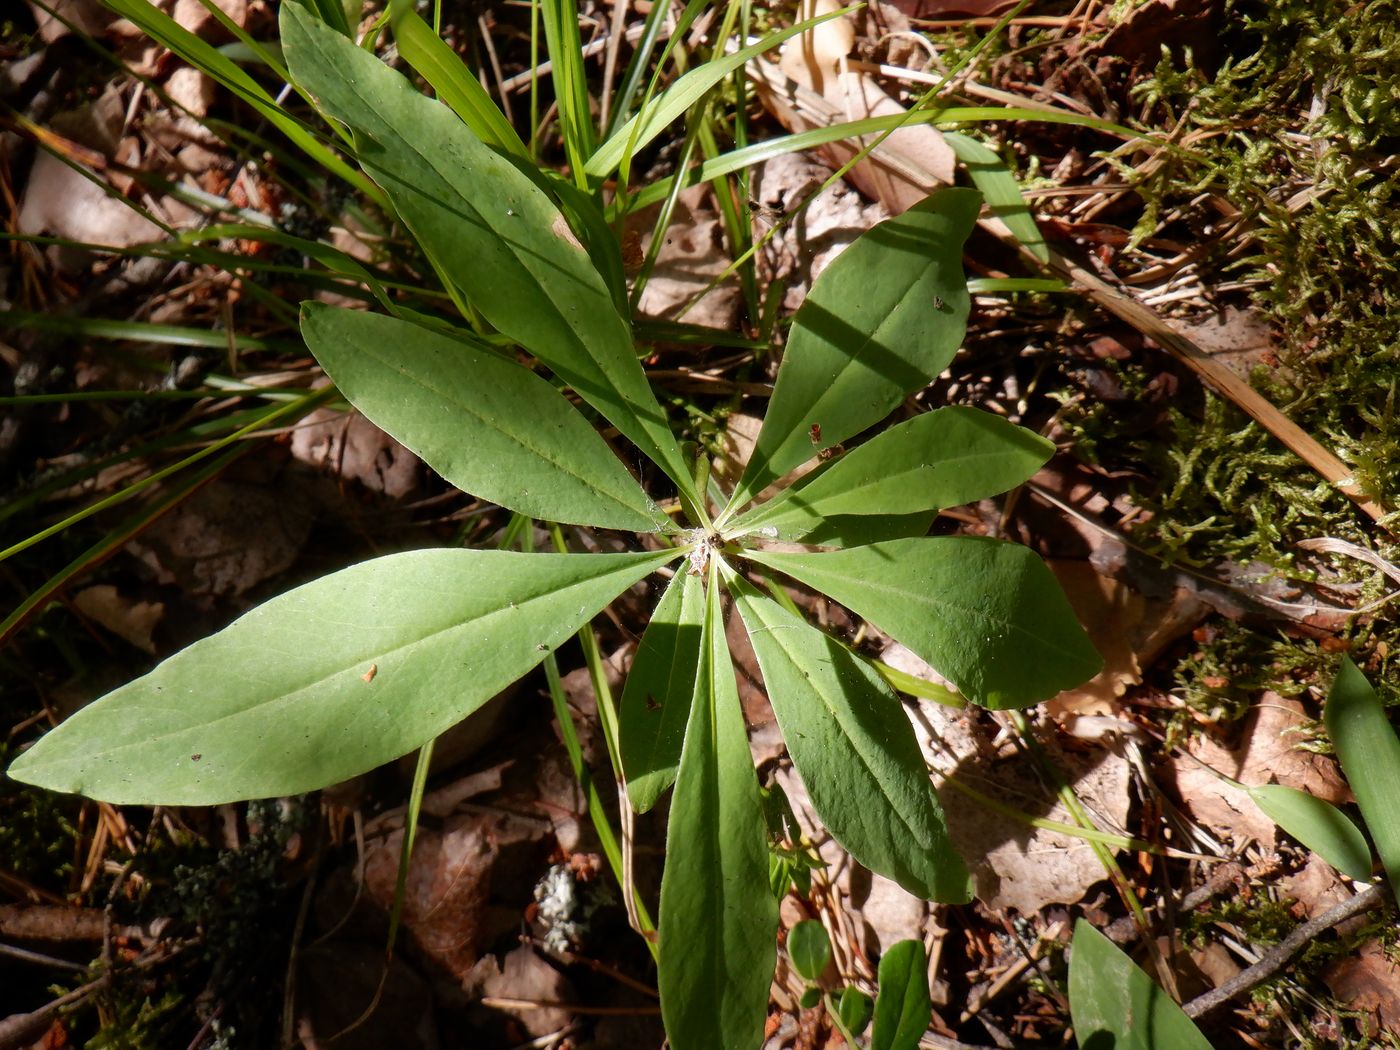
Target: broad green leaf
809, 948
718, 920
851, 741
449, 76
330, 679
940, 459
859, 530
495, 232
881, 321
1370, 755
1001, 191
678, 99
987, 614
1317, 824
855, 1009
656, 697
902, 1005
1114, 1004
485, 423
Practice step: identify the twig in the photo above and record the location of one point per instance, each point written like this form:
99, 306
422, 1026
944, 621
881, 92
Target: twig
1277, 957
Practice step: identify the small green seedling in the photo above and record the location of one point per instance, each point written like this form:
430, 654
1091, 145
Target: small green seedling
364, 665
901, 1008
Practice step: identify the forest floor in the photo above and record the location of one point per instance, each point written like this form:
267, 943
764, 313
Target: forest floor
1218, 375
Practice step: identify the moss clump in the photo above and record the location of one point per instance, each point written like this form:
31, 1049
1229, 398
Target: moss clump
38, 832
1297, 129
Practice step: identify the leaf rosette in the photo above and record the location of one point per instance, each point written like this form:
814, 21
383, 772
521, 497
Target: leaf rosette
353, 670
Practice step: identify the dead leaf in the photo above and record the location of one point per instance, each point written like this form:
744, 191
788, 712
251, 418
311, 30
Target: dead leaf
1265, 754
449, 881
813, 85
348, 445
86, 16
340, 979
130, 620
239, 530
527, 977
1014, 865
1112, 614
942, 9
1368, 980
692, 256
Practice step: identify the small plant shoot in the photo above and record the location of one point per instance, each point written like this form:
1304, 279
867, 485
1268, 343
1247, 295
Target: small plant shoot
367, 664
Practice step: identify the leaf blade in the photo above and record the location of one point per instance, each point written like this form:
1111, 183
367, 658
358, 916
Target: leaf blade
902, 1004
1318, 825
492, 229
486, 424
940, 459
372, 668
809, 948
659, 688
986, 613
859, 346
1109, 996
718, 920
1369, 752
851, 742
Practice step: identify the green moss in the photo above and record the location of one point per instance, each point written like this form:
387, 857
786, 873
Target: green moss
38, 832
1298, 130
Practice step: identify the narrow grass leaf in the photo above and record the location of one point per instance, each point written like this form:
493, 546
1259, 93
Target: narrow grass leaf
1114, 1004
677, 100
449, 76
881, 321
156, 24
1317, 824
494, 231
809, 948
330, 679
1001, 191
660, 685
485, 423
941, 459
852, 743
718, 920
1370, 755
902, 1005
987, 614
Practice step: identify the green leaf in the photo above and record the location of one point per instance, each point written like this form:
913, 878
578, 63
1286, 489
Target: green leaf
1001, 191
656, 697
902, 1005
1370, 755
718, 920
809, 949
485, 423
881, 321
492, 229
1115, 1005
987, 614
855, 1009
852, 743
940, 459
678, 99
1317, 824
330, 679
